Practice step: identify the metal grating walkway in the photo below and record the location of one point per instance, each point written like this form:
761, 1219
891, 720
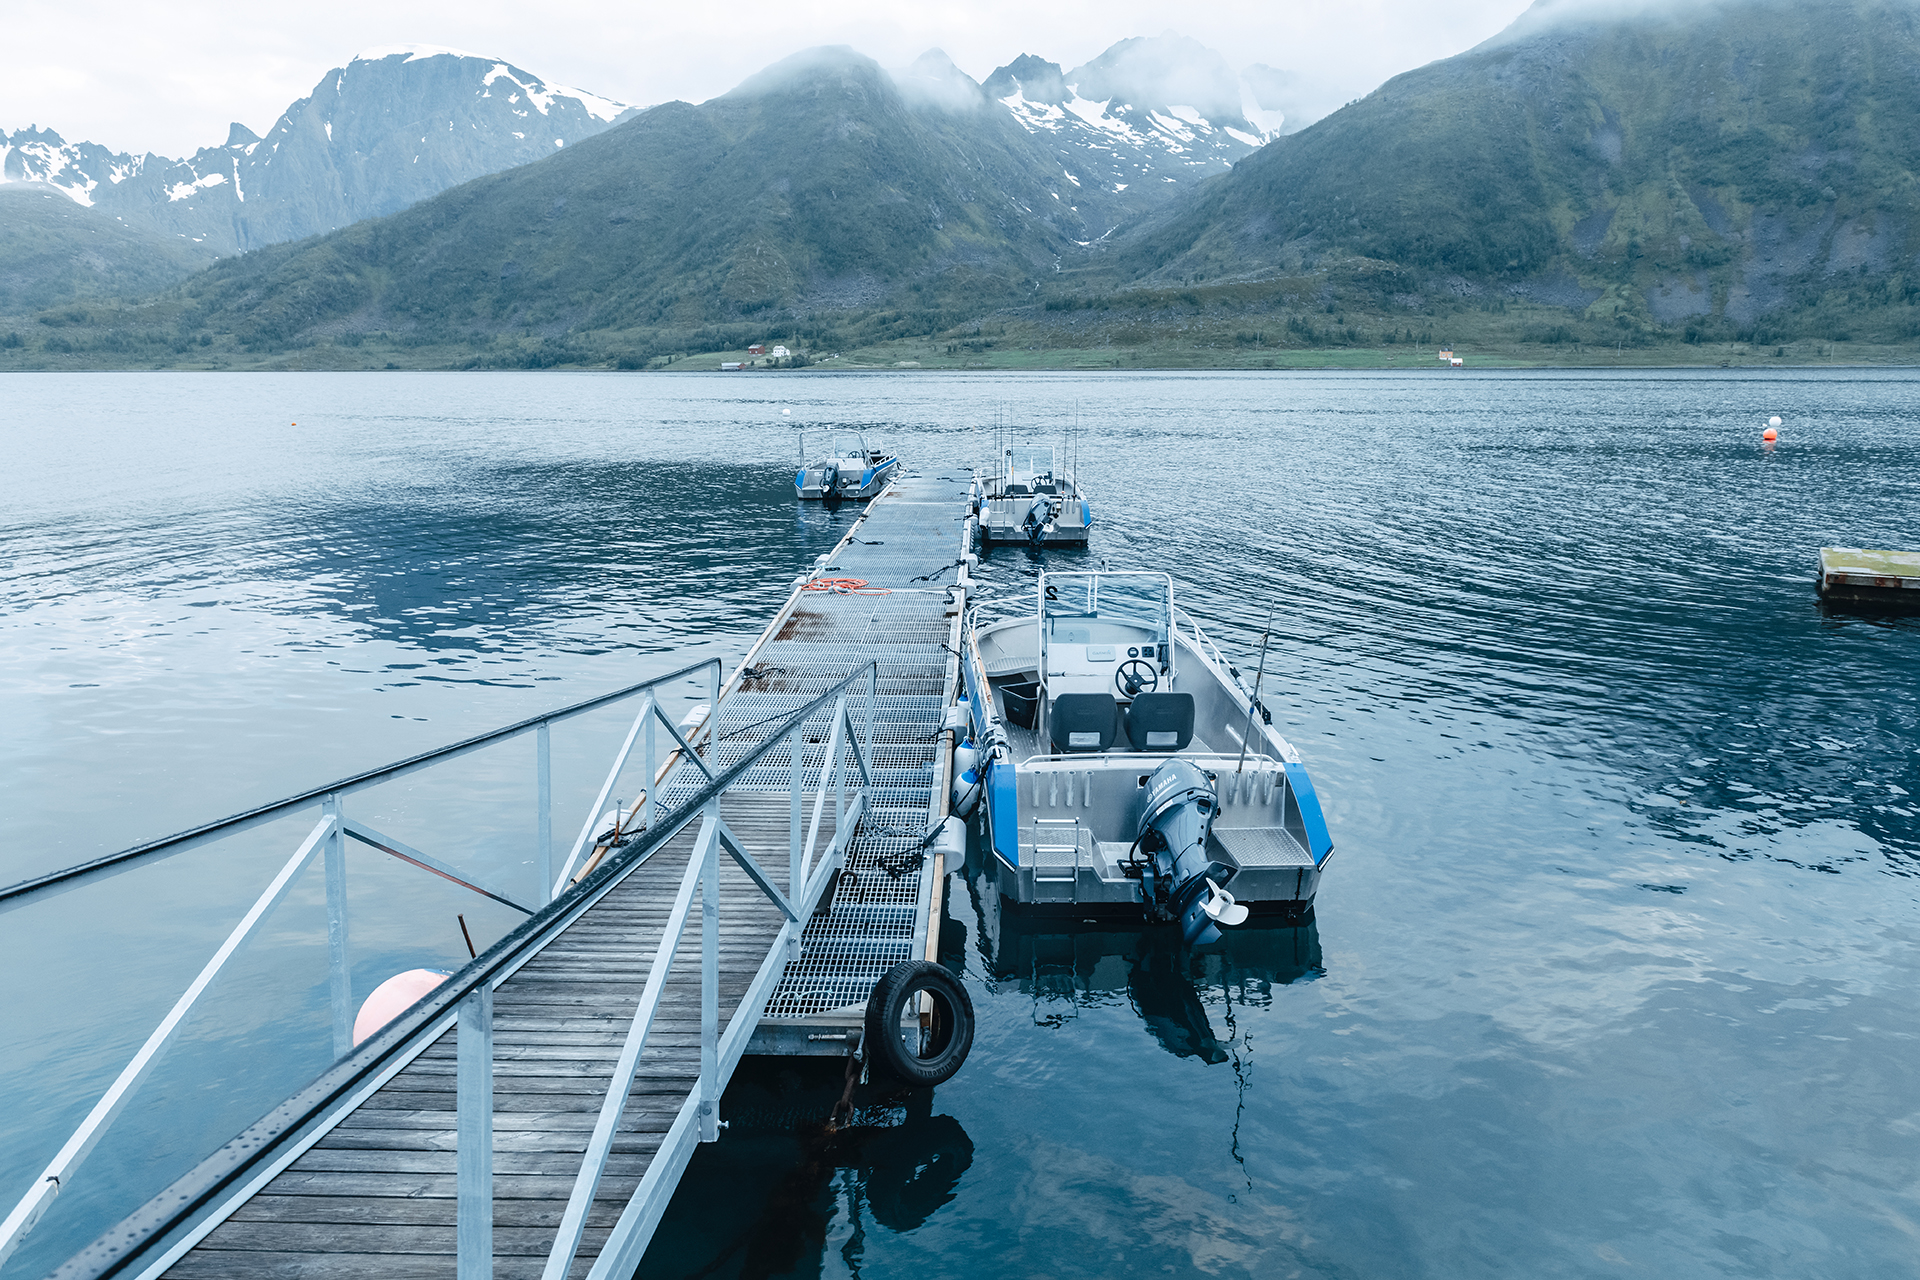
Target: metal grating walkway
910, 547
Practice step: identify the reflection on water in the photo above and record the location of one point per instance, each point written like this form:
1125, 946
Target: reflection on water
1062, 962
785, 1185
1615, 970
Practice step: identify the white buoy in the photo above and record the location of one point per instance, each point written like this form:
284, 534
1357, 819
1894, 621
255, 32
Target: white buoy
1774, 422
786, 413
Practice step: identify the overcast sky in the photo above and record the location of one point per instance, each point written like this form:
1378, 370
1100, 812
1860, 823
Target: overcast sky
167, 78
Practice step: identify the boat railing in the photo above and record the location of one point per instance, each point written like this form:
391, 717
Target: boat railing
1202, 643
327, 837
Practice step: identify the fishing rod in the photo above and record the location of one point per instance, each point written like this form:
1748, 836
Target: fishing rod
1254, 705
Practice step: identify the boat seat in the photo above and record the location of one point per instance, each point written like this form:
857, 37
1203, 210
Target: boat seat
1160, 721
1084, 721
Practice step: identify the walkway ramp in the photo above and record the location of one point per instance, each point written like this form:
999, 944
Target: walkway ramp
531, 1116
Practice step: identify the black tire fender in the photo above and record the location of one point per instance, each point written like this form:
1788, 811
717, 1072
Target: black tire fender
944, 1049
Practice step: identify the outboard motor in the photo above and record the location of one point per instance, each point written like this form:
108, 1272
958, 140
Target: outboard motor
1038, 512
829, 479
1179, 879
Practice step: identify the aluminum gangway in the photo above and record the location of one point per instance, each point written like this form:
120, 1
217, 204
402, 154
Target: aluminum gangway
532, 1115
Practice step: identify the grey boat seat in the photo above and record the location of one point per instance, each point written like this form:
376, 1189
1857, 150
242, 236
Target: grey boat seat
1160, 721
1084, 721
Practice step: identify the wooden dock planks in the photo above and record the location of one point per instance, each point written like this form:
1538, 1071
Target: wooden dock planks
375, 1196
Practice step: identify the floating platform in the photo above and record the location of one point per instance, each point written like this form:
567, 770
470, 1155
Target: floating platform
1871, 581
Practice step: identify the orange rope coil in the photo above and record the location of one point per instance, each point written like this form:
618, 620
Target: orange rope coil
844, 587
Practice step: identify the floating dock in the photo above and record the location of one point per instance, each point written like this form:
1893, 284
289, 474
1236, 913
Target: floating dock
531, 1117
1875, 581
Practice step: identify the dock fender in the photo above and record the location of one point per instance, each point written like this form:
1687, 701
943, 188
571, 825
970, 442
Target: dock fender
1319, 843
966, 788
916, 1056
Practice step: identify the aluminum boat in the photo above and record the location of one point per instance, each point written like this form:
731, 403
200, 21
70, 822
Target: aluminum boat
1126, 768
1032, 499
848, 470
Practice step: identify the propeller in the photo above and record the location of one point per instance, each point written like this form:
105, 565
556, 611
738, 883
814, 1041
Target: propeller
1220, 906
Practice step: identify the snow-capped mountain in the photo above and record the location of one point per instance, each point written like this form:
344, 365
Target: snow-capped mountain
1143, 119
387, 130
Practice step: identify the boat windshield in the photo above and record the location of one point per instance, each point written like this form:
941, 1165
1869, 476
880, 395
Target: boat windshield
851, 446
1031, 464
1145, 599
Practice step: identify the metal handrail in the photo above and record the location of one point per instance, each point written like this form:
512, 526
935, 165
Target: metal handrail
235, 1167
1202, 641
246, 818
326, 839
805, 885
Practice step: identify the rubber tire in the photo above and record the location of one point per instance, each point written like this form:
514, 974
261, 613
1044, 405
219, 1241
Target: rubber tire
953, 1015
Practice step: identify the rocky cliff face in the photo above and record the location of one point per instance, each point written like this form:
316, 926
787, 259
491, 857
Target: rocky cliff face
1712, 166
1144, 120
387, 130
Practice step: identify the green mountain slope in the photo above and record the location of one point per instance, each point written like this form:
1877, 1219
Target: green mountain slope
1722, 165
53, 251
813, 186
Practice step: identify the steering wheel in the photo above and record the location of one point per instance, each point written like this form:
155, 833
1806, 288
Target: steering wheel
1136, 677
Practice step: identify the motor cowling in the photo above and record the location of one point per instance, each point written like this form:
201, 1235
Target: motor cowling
1039, 511
1183, 879
830, 478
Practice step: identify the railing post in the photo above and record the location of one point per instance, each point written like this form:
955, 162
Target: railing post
713, 710
873, 690
339, 975
543, 807
648, 762
796, 855
840, 781
710, 989
474, 1143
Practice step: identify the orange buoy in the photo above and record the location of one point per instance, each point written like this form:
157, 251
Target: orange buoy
1769, 435
394, 997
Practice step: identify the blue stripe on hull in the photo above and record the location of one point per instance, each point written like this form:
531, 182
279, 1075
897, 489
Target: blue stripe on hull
1319, 843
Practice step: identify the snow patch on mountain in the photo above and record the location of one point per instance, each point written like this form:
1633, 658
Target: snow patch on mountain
414, 53
345, 152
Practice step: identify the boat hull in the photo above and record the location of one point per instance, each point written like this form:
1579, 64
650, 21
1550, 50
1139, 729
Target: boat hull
808, 483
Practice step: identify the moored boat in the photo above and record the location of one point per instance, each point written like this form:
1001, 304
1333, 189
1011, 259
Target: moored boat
1032, 499
848, 469
1125, 767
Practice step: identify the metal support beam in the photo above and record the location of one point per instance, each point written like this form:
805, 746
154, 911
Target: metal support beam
543, 808
407, 853
797, 867
339, 974
647, 707
474, 1144
573, 1222
710, 974
755, 872
620, 1255
60, 1170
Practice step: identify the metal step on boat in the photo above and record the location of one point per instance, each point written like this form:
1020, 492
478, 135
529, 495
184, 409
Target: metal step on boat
1126, 769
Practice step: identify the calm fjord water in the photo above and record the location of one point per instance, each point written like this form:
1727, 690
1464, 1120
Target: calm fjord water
1616, 969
